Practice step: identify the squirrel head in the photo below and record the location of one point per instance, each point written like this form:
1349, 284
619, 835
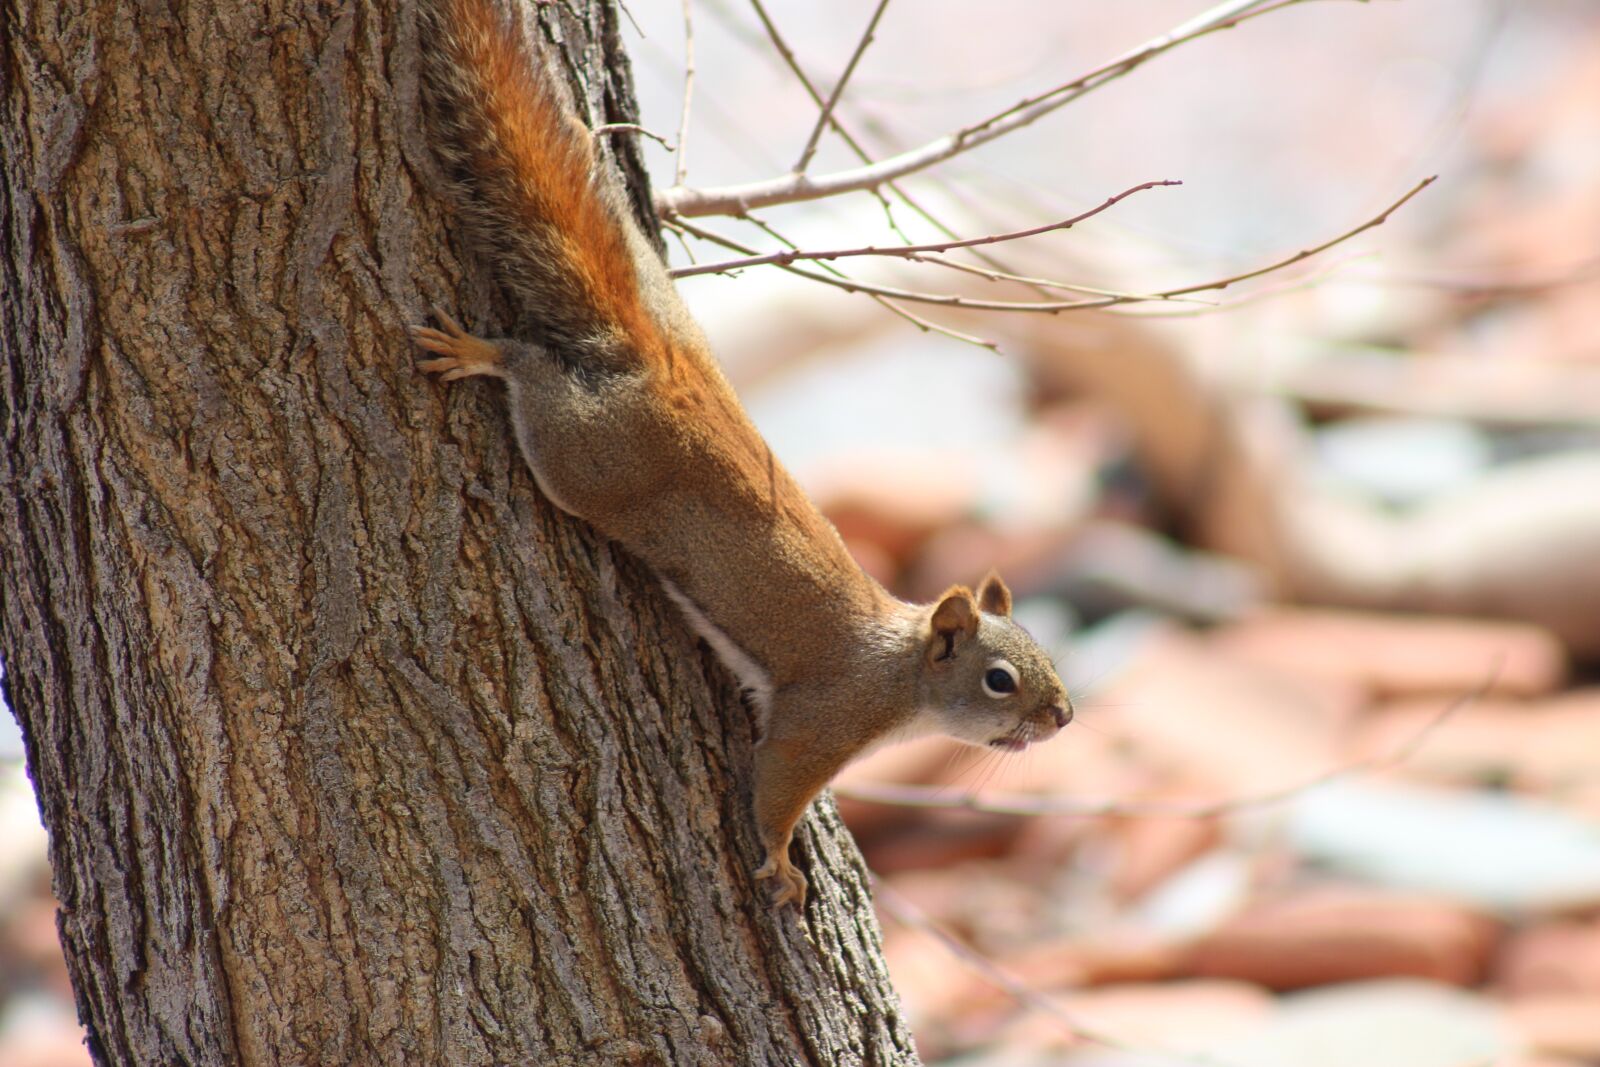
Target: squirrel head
984, 679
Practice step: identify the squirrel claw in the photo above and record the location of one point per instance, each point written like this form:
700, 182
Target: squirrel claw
461, 355
792, 884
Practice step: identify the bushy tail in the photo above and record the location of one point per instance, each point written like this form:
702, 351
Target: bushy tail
532, 185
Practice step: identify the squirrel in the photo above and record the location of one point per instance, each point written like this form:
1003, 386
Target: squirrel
626, 422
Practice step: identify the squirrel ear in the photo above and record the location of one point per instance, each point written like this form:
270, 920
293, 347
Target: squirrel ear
954, 620
994, 597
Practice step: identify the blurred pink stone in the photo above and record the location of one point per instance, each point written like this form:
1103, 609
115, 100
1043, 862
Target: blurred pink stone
61, 1047
1208, 718
1323, 936
892, 502
1167, 1015
1544, 746
1401, 655
1554, 957
1103, 957
1558, 1024
1146, 852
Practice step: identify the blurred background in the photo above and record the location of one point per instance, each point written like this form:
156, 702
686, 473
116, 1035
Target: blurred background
1318, 553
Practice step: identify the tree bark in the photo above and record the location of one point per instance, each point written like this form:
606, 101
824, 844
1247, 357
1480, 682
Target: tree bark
351, 748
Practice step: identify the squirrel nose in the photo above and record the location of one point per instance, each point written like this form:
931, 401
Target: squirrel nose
1062, 715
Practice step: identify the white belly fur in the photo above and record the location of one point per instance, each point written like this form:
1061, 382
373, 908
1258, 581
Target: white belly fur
752, 676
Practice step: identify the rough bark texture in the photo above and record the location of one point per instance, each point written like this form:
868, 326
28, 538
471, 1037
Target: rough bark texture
351, 748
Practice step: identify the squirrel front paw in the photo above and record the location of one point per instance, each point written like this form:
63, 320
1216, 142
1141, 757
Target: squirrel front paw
791, 883
461, 354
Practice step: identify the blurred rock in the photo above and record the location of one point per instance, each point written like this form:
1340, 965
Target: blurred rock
932, 985
1478, 744
892, 504
1402, 460
1559, 1024
925, 762
38, 1031
961, 553
1497, 851
1396, 1023
1331, 935
1555, 957
30, 948
873, 558
1111, 567
1102, 958
1181, 1017
1540, 746
1562, 745
1402, 1023
941, 839
1200, 896
1395, 655
1210, 718
22, 858
984, 904
1146, 852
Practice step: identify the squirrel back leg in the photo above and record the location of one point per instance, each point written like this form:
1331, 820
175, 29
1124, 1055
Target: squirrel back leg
552, 410
793, 762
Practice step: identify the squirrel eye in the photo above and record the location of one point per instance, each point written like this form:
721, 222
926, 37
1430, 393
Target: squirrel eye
1000, 680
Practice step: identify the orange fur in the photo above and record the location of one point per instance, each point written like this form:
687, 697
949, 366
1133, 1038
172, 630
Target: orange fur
544, 161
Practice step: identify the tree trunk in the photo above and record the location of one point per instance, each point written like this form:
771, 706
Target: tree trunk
351, 748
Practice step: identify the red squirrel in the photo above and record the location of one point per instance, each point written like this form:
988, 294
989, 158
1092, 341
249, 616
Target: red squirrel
626, 422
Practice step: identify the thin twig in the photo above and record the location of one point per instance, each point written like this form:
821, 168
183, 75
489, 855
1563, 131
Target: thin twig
922, 324
1042, 284
909, 251
688, 93
633, 127
854, 285
929, 326
838, 90
1378, 220
1330, 273
738, 199
680, 227
1027, 805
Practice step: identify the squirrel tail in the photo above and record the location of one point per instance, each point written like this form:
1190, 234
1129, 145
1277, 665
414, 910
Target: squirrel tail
534, 188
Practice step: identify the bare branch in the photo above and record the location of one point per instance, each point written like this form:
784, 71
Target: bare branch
1043, 284
911, 251
838, 90
688, 93
855, 146
738, 199
1056, 306
1028, 805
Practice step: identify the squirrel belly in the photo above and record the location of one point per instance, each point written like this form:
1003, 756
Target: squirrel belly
626, 421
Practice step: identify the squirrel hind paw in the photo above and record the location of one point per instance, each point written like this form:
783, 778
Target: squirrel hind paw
461, 355
792, 884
